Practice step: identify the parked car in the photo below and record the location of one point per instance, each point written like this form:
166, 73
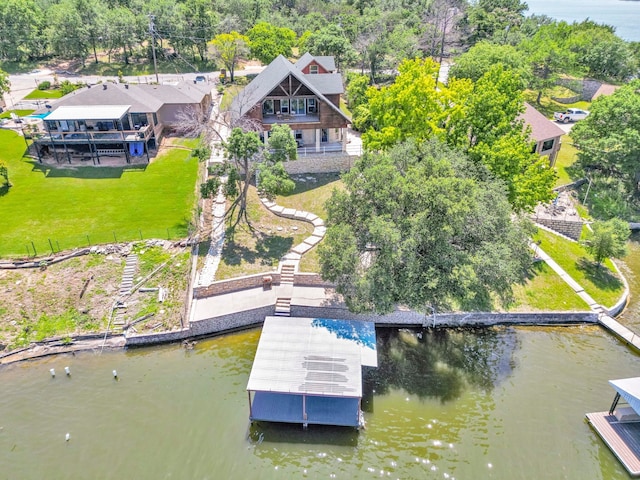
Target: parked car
570, 115
200, 79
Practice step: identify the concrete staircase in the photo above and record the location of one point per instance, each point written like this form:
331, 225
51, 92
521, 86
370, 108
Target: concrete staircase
283, 302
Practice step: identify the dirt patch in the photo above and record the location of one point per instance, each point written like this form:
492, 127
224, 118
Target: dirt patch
67, 298
77, 296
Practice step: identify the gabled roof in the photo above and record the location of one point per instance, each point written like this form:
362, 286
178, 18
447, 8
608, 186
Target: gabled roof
275, 73
327, 62
143, 98
541, 127
629, 389
327, 83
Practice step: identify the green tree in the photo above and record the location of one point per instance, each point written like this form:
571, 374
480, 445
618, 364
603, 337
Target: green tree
4, 177
243, 151
230, 47
268, 41
273, 178
489, 18
331, 40
484, 55
21, 23
209, 189
600, 52
608, 239
608, 140
549, 55
422, 226
5, 84
68, 35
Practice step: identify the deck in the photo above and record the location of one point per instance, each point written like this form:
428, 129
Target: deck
622, 438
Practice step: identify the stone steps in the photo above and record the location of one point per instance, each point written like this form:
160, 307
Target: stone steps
287, 273
283, 307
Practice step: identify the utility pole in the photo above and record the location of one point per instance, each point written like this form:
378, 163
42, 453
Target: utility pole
153, 46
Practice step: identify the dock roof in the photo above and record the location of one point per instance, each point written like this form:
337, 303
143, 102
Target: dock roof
313, 356
629, 389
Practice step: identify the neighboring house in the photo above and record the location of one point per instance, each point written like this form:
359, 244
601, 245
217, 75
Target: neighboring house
117, 120
304, 95
545, 133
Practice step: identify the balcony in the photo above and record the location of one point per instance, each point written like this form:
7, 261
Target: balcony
270, 119
89, 136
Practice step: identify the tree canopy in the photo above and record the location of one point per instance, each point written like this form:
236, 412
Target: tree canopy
484, 55
421, 225
230, 47
608, 239
608, 143
268, 41
481, 118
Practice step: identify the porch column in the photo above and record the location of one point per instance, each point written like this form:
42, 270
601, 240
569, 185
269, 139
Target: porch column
343, 134
318, 139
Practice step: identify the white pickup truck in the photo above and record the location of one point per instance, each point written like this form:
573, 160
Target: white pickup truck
570, 115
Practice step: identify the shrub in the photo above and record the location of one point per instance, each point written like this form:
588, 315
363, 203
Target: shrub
46, 85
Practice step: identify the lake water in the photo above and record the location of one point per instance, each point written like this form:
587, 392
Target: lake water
624, 15
505, 403
501, 403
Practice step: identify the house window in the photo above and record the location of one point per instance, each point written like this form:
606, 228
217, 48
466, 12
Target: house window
284, 106
313, 69
311, 105
548, 145
267, 107
297, 106
298, 134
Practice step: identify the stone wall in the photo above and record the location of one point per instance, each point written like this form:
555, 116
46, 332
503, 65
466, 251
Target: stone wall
339, 162
231, 321
310, 280
568, 228
155, 338
235, 284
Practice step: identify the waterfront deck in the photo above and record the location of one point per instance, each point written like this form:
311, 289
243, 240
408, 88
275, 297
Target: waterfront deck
623, 438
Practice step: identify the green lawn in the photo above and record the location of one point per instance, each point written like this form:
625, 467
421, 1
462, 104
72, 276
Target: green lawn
40, 94
565, 159
545, 291
311, 197
20, 113
74, 207
601, 283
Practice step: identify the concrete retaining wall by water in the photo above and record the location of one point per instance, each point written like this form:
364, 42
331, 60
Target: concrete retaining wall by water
235, 284
255, 317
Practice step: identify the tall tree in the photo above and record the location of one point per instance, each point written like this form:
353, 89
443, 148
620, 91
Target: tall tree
331, 40
418, 226
549, 55
68, 35
21, 23
243, 151
230, 47
608, 140
488, 18
484, 55
608, 239
268, 41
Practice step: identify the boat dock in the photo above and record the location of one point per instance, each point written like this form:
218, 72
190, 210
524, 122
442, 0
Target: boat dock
622, 438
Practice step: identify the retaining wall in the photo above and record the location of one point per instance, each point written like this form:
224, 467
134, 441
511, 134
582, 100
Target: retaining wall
571, 229
235, 284
310, 280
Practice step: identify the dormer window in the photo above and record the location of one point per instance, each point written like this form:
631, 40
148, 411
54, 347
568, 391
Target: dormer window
313, 69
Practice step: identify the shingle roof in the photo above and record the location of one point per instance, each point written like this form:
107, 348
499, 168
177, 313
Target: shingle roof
327, 83
327, 62
541, 127
272, 75
142, 98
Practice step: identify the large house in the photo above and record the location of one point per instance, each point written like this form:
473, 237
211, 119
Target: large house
545, 133
304, 95
119, 121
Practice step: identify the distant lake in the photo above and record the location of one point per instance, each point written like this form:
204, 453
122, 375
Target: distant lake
623, 15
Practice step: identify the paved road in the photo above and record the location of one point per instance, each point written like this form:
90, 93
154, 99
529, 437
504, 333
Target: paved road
23, 84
